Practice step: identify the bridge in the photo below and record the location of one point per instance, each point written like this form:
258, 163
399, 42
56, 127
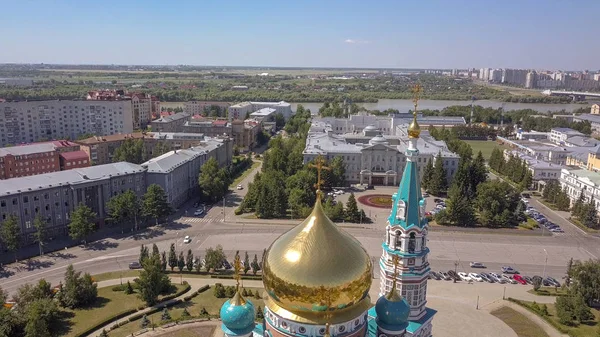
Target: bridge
576, 95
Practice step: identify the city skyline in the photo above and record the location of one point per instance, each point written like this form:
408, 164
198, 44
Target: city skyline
385, 34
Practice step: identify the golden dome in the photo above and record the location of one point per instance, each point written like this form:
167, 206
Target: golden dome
414, 130
316, 268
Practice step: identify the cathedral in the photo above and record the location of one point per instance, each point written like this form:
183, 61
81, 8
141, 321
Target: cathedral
317, 277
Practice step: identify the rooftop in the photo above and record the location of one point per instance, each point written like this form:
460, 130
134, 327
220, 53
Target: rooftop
173, 159
74, 155
568, 131
263, 112
22, 150
582, 141
112, 138
589, 117
591, 176
171, 118
65, 178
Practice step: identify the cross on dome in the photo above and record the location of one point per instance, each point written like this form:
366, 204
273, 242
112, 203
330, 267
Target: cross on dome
319, 165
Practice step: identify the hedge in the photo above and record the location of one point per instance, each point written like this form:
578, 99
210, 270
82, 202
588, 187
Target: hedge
203, 289
153, 310
177, 294
552, 322
105, 322
230, 277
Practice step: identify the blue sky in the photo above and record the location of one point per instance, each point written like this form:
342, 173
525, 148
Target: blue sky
542, 34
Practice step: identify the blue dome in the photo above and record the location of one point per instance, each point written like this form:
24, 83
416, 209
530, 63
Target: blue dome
393, 312
237, 316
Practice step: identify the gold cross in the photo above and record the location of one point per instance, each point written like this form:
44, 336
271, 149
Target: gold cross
319, 165
416, 90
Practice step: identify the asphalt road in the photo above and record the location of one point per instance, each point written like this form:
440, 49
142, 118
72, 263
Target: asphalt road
531, 255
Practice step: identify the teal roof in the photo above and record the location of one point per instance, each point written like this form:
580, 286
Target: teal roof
237, 319
409, 191
412, 327
392, 315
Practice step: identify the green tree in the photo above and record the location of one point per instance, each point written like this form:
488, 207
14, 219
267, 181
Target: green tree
459, 211
82, 223
259, 313
152, 281
497, 203
352, 212
589, 214
219, 290
189, 260
132, 151
181, 262
40, 232
585, 279
246, 263
145, 322
143, 254
78, 291
438, 183
124, 207
172, 257
338, 171
185, 314
163, 260
104, 333
537, 283
272, 198
159, 149
155, 203
214, 258
128, 288
427, 175
212, 180
41, 318
165, 315
11, 234
255, 266
578, 205
155, 250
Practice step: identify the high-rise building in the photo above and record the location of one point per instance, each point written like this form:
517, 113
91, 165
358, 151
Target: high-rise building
144, 107
531, 80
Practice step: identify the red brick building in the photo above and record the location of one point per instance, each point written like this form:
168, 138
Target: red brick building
38, 158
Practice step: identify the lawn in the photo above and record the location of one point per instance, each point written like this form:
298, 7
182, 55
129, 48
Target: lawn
520, 324
204, 300
583, 330
549, 291
244, 174
109, 303
485, 146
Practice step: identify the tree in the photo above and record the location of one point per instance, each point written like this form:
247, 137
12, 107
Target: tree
128, 288
152, 281
10, 234
41, 317
132, 151
189, 260
143, 254
181, 262
104, 333
172, 257
185, 314
213, 258
497, 203
212, 180
352, 212
219, 290
569, 272
578, 206
255, 266
40, 232
155, 203
163, 260
155, 250
537, 283
459, 209
145, 322
256, 294
159, 149
124, 207
165, 315
338, 171
427, 175
584, 279
78, 291
82, 223
259, 313
438, 183
589, 214
246, 263
272, 197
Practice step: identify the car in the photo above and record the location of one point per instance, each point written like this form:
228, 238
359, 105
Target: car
135, 265
476, 265
437, 200
464, 276
526, 195
508, 279
486, 277
444, 275
509, 270
475, 277
440, 206
527, 279
198, 212
453, 275
195, 204
434, 275
240, 187
425, 195
187, 239
497, 278
553, 281
557, 230
519, 279
226, 264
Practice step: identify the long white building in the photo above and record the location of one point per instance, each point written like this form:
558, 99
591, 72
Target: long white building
239, 111
34, 121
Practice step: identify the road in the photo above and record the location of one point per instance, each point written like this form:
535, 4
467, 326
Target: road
530, 254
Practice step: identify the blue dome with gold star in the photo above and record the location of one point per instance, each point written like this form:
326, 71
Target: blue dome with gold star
237, 316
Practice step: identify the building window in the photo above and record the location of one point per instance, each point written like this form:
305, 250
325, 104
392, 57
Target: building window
27, 224
3, 203
14, 201
25, 199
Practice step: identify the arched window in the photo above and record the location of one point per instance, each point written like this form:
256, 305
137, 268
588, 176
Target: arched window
412, 243
423, 240
398, 240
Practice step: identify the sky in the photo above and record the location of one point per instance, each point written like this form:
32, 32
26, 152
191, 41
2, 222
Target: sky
540, 34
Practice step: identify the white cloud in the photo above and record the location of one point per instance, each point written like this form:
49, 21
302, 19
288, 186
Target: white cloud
353, 41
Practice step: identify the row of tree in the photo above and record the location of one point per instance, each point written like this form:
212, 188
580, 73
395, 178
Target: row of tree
434, 178
135, 151
515, 169
556, 195
37, 307
582, 283
584, 209
336, 212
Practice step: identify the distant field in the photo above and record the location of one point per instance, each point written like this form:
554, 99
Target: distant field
485, 146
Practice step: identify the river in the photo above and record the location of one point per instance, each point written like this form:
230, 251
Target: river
403, 105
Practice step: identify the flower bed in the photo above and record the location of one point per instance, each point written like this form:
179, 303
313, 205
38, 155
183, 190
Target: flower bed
376, 200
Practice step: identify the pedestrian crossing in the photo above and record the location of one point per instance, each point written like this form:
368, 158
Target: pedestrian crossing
198, 220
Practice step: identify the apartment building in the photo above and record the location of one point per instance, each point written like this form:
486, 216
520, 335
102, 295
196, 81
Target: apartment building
38, 158
55, 195
100, 149
240, 110
177, 171
34, 121
577, 181
172, 123
200, 107
208, 127
245, 133
143, 106
560, 135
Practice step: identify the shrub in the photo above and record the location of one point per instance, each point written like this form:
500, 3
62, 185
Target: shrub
145, 322
256, 294
119, 287
238, 211
128, 288
219, 291
165, 315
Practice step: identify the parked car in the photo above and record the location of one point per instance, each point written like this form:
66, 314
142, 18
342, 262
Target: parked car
199, 212
425, 195
508, 279
453, 275
527, 279
476, 265
519, 279
486, 277
509, 270
554, 282
526, 195
135, 265
497, 278
445, 275
463, 276
475, 277
437, 200
240, 187
434, 275
226, 264
557, 230
187, 239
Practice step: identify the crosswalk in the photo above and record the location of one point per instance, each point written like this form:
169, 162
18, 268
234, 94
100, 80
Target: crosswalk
198, 220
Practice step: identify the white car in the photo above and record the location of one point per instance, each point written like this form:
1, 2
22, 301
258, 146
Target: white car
498, 278
476, 265
475, 277
464, 276
187, 239
240, 187
509, 279
199, 212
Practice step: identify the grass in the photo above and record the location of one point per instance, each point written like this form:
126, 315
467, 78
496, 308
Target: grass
108, 303
173, 274
485, 146
244, 174
549, 291
520, 324
582, 226
529, 224
115, 275
189, 332
204, 300
587, 329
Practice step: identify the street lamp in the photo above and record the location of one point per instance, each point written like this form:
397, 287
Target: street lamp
456, 263
545, 263
223, 208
